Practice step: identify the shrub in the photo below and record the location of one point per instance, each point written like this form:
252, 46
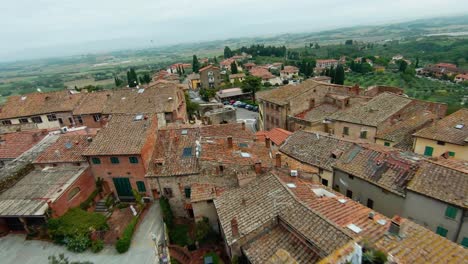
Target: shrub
122, 205
179, 235
123, 243
87, 203
168, 217
97, 245
203, 230
75, 223
78, 243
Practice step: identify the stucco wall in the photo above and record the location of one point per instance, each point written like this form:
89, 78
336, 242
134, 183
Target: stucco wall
354, 131
385, 202
430, 213
461, 152
206, 209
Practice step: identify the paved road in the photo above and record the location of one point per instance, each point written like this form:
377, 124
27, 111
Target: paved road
15, 249
249, 117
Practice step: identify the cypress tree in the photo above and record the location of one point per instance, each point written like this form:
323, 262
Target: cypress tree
339, 75
195, 64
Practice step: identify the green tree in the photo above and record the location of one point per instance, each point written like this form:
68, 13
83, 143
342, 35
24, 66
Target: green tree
146, 78
227, 52
402, 65
251, 84
195, 64
191, 107
234, 68
118, 82
339, 75
132, 78
416, 65
349, 42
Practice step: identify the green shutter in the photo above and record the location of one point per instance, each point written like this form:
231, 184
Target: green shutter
451, 212
141, 186
442, 231
96, 160
133, 160
114, 160
465, 242
451, 154
123, 187
387, 144
428, 151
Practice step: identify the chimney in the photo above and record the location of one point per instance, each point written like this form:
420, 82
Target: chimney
267, 142
278, 160
234, 228
243, 125
229, 142
395, 225
258, 167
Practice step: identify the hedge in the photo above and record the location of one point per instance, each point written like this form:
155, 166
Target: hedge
123, 243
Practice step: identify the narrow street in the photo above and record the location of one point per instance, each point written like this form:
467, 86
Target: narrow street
15, 249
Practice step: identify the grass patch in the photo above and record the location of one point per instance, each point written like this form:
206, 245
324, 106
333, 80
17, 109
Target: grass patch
123, 244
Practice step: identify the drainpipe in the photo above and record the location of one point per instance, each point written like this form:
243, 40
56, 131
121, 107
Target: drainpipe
462, 220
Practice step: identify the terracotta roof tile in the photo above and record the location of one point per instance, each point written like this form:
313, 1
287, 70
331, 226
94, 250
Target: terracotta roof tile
262, 73
123, 135
39, 103
276, 135
92, 103
443, 180
67, 148
12, 145
208, 67
290, 69
377, 110
315, 149
204, 191
446, 130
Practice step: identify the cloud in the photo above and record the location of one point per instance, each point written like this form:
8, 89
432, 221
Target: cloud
29, 25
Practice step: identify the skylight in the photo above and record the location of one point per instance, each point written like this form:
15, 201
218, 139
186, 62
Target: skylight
459, 126
141, 91
322, 192
291, 185
187, 152
356, 229
184, 132
243, 145
342, 201
245, 155
138, 117
382, 221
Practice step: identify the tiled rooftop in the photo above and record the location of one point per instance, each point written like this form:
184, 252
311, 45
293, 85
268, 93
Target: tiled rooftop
443, 180
262, 73
204, 191
290, 69
451, 129
68, 148
276, 135
12, 145
315, 149
39, 103
92, 103
385, 167
319, 113
401, 131
158, 98
123, 135
415, 244
377, 110
262, 249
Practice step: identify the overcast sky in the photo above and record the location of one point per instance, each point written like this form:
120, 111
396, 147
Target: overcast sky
38, 28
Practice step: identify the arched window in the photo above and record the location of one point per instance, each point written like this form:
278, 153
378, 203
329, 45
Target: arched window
73, 192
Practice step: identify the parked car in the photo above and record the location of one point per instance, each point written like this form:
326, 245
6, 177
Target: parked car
255, 109
225, 102
232, 102
248, 107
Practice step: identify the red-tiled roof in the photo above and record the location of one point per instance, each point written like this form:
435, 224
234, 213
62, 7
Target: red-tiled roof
12, 145
290, 69
276, 135
68, 148
92, 103
204, 191
262, 73
208, 67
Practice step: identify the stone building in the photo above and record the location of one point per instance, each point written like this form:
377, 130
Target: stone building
210, 77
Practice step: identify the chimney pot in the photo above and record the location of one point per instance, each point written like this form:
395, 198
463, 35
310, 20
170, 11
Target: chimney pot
243, 125
278, 160
395, 225
258, 167
267, 142
229, 141
234, 228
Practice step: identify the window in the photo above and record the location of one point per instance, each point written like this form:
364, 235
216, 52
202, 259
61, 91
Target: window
387, 144
320, 171
36, 119
442, 231
133, 160
221, 168
451, 154
351, 177
6, 122
370, 203
141, 186
440, 143
23, 120
349, 194
187, 192
73, 192
114, 160
363, 134
167, 192
465, 242
428, 151
80, 120
325, 182
60, 121
187, 152
52, 117
345, 130
96, 160
451, 212
71, 121
97, 117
